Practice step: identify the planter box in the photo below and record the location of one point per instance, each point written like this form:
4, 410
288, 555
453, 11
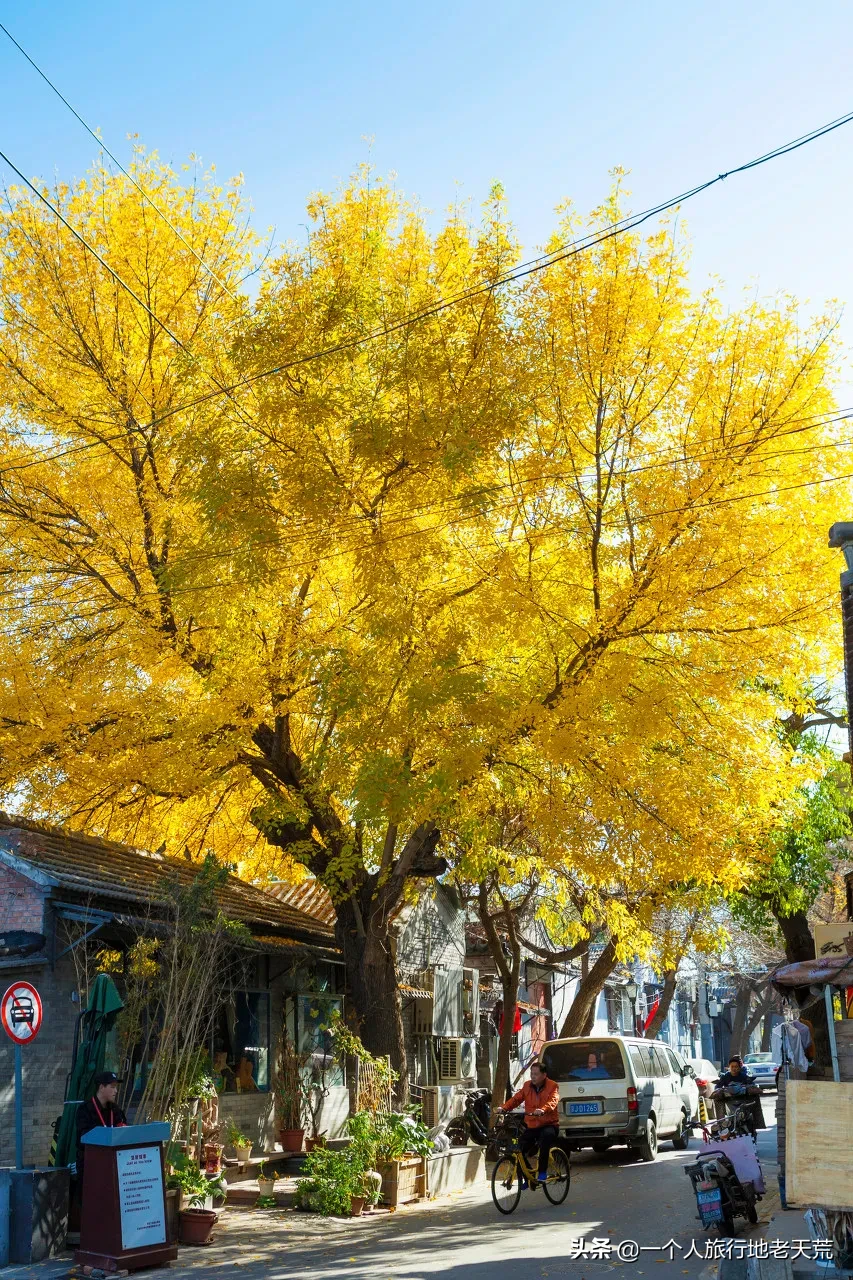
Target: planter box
173, 1205
34, 1203
454, 1170
403, 1181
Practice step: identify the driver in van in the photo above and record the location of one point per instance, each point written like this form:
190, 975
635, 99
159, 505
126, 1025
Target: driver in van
594, 1069
541, 1118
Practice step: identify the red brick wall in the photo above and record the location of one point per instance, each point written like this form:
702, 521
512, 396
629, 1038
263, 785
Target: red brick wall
21, 902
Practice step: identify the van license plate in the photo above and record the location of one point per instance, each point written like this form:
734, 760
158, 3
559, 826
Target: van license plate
584, 1108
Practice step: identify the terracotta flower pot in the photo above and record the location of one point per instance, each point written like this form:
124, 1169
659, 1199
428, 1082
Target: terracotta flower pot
311, 1144
357, 1206
196, 1225
291, 1139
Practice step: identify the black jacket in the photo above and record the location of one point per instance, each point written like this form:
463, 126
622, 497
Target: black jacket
743, 1077
88, 1118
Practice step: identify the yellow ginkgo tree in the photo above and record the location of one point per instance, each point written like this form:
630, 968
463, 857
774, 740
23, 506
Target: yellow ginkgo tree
289, 579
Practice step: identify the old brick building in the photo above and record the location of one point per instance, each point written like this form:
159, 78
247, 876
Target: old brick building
65, 896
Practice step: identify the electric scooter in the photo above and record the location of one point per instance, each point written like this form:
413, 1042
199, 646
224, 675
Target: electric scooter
724, 1191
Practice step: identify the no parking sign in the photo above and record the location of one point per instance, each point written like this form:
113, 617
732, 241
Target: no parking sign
21, 1012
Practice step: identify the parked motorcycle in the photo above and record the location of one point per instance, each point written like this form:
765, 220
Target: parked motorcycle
738, 1101
474, 1121
726, 1177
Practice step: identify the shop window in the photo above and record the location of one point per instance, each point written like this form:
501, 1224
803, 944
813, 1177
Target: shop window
314, 1013
241, 1043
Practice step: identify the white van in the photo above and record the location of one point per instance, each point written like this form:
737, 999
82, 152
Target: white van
616, 1090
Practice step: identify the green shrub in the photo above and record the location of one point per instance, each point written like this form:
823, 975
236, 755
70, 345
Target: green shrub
332, 1179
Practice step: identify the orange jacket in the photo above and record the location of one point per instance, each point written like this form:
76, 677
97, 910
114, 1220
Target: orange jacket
547, 1098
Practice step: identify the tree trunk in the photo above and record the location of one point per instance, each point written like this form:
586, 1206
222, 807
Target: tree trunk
742, 1002
767, 1029
799, 945
509, 968
372, 990
580, 1019
500, 1087
763, 1006
669, 986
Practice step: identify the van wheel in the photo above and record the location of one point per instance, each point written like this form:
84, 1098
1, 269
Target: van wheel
681, 1139
648, 1148
601, 1145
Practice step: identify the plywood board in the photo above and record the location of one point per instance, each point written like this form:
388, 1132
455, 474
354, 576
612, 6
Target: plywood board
833, 939
818, 1143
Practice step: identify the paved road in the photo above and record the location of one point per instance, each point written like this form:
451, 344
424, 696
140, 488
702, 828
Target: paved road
614, 1196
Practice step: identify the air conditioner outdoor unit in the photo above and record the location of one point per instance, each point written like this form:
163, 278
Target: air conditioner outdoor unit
422, 1015
457, 1059
429, 1106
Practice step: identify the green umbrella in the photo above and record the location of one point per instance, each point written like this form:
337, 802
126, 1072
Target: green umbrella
98, 1020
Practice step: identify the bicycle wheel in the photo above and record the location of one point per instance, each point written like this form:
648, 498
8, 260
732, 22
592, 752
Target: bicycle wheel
559, 1176
506, 1185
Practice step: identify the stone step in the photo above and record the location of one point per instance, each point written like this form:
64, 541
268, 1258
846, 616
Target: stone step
245, 1192
282, 1161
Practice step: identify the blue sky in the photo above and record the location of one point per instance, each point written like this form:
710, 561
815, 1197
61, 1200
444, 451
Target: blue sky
546, 97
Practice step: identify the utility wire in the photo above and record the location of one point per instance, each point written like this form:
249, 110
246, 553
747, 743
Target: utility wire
570, 249
220, 390
519, 483
584, 243
117, 162
698, 508
115, 275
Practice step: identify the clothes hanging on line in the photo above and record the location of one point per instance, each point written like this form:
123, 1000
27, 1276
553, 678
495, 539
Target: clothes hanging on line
786, 1042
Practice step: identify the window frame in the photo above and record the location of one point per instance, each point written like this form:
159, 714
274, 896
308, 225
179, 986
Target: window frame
232, 999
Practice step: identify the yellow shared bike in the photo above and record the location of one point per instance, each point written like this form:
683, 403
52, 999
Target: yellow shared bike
512, 1169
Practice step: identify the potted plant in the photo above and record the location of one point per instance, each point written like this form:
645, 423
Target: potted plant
289, 1089
334, 1183
238, 1140
212, 1147
267, 1177
362, 1132
195, 1222
314, 1094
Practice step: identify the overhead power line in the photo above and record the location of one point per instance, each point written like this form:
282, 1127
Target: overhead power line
697, 508
91, 249
220, 389
568, 250
117, 162
584, 243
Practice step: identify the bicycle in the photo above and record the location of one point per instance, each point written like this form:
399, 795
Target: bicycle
512, 1167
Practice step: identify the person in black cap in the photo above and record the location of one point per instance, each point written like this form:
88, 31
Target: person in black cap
100, 1109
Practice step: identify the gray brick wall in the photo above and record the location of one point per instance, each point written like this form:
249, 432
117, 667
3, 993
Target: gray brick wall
46, 1062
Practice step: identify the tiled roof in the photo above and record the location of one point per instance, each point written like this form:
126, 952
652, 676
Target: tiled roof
308, 896
95, 868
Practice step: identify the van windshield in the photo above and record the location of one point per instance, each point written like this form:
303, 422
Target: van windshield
584, 1060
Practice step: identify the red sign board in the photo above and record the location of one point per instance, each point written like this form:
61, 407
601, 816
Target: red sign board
21, 1012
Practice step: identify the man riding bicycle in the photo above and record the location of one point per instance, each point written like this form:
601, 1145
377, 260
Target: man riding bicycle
540, 1097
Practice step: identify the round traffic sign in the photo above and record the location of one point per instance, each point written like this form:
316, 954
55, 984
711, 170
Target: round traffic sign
20, 1012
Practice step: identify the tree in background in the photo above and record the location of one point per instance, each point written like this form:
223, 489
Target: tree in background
806, 851
806, 855
555, 527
